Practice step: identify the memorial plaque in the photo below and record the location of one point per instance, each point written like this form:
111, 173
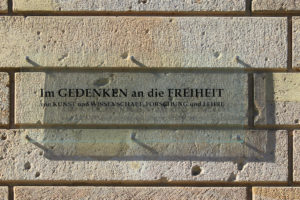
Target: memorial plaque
143, 98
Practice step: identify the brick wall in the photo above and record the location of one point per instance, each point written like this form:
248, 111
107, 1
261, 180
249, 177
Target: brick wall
55, 145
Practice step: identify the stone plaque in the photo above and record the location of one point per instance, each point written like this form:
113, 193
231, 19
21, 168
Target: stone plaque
126, 98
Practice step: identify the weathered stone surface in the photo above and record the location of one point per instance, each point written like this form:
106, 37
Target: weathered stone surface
201, 42
3, 6
122, 193
140, 155
277, 5
277, 98
276, 193
209, 98
296, 41
129, 5
4, 98
296, 156
4, 193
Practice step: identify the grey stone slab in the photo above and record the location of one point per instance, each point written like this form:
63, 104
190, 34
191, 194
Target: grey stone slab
135, 193
131, 98
277, 98
129, 5
144, 155
195, 42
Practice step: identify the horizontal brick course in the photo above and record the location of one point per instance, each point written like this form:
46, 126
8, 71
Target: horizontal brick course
277, 98
229, 89
276, 193
4, 98
200, 42
129, 5
122, 193
144, 155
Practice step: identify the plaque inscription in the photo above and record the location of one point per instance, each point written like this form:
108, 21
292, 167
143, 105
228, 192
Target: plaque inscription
131, 98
